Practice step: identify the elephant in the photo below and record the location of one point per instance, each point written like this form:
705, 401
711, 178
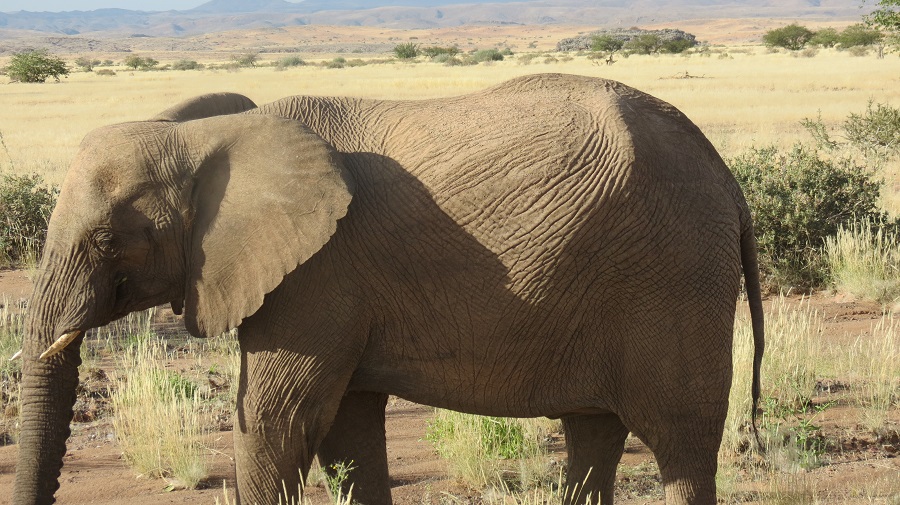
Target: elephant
555, 245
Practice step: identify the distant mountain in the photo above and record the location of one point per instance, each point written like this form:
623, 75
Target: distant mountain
223, 15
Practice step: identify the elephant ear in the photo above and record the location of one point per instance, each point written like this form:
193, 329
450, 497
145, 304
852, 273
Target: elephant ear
266, 194
203, 106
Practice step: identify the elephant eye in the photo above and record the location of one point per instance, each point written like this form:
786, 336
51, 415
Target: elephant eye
106, 243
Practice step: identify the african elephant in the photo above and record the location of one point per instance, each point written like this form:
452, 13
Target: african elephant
555, 246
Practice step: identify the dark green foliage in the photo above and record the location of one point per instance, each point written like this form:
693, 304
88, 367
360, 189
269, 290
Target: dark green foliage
136, 62
647, 43
676, 46
25, 207
792, 37
859, 35
606, 43
406, 51
186, 65
435, 51
35, 66
826, 37
797, 199
487, 55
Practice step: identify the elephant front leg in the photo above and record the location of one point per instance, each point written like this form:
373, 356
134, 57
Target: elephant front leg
286, 403
357, 441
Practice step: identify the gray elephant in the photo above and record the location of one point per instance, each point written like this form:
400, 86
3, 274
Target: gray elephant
555, 246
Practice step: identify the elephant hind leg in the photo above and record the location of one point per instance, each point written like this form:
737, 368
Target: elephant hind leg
357, 441
594, 444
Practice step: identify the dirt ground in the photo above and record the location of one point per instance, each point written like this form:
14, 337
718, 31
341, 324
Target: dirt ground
859, 468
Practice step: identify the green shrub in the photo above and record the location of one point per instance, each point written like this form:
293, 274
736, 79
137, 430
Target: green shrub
290, 61
859, 35
35, 66
406, 51
792, 36
826, 37
876, 130
677, 46
487, 55
434, 52
186, 65
25, 207
797, 200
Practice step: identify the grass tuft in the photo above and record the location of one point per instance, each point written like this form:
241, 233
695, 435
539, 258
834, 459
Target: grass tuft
865, 263
157, 419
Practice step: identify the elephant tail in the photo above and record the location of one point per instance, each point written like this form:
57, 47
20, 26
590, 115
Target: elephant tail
754, 298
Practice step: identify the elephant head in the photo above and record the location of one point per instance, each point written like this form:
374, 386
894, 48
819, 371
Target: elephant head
146, 216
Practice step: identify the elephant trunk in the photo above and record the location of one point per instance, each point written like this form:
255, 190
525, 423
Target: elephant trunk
48, 395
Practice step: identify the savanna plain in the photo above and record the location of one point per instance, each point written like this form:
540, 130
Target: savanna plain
154, 414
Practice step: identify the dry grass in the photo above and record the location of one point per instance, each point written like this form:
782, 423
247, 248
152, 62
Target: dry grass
865, 263
747, 96
158, 417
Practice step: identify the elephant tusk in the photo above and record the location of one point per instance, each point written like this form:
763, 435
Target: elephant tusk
60, 344
17, 355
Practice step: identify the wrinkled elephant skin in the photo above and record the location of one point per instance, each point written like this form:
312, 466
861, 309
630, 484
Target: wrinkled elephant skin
554, 246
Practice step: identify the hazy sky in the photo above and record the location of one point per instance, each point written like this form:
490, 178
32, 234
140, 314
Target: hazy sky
89, 5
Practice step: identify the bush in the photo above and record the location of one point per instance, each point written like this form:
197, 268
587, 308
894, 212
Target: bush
136, 62
35, 66
406, 51
86, 64
797, 200
246, 59
487, 55
25, 207
105, 71
877, 130
677, 46
290, 61
859, 35
434, 51
826, 37
186, 65
792, 37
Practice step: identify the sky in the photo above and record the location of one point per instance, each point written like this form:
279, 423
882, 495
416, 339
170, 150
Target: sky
88, 5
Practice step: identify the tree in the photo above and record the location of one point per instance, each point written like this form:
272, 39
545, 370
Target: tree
35, 66
826, 37
85, 63
792, 36
647, 43
859, 35
406, 51
606, 43
886, 17
135, 62
246, 59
